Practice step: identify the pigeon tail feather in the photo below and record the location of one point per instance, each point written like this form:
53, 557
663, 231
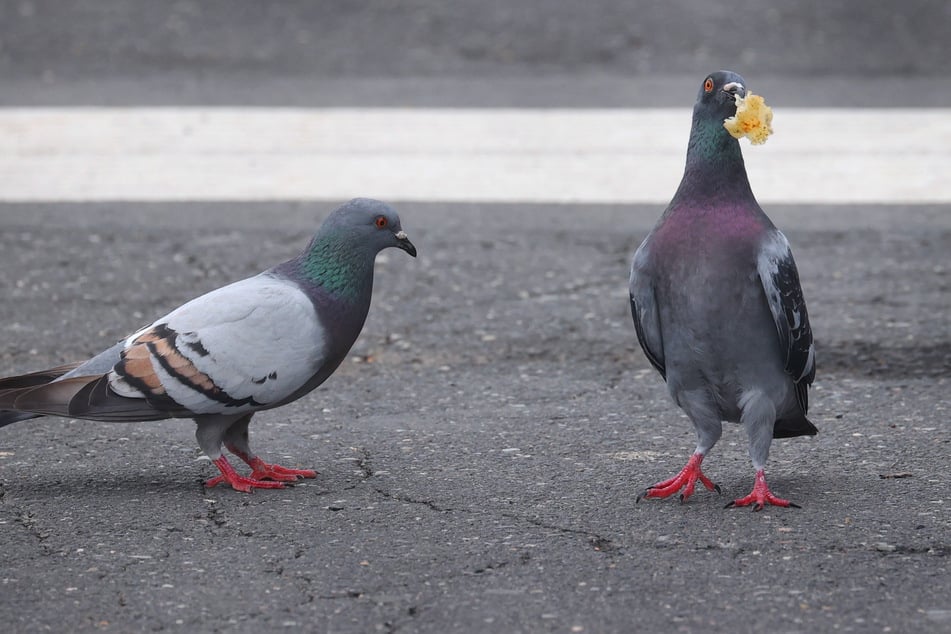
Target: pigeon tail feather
12, 386
9, 417
33, 379
792, 427
86, 397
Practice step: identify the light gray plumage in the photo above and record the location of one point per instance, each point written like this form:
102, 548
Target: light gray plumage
256, 344
717, 304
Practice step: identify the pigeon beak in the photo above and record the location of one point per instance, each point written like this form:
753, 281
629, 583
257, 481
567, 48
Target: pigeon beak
735, 88
404, 243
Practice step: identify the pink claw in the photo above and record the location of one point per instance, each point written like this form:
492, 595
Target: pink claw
761, 496
265, 471
686, 480
239, 482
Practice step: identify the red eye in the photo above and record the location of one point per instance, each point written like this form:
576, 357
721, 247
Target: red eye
708, 85
381, 222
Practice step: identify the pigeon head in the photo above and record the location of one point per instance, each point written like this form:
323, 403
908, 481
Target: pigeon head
368, 225
714, 163
718, 92
339, 259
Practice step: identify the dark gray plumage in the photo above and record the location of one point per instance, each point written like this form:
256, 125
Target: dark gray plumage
717, 304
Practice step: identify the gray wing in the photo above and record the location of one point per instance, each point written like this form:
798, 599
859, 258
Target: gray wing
780, 279
246, 346
644, 310
243, 347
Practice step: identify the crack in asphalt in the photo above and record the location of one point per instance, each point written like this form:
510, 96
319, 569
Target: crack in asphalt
412, 610
27, 519
430, 504
597, 541
213, 515
365, 463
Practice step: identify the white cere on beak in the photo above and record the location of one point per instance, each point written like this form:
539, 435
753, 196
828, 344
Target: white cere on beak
401, 235
733, 85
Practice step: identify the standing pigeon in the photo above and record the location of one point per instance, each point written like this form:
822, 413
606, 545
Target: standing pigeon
717, 304
255, 344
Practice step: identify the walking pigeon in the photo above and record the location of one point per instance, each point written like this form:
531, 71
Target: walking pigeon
717, 304
252, 345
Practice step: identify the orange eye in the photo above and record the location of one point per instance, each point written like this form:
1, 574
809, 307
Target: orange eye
708, 85
380, 222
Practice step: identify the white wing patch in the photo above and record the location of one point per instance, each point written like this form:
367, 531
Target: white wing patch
780, 280
239, 348
774, 251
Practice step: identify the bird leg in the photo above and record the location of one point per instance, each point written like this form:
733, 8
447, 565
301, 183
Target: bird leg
761, 496
686, 480
238, 482
268, 471
212, 432
237, 440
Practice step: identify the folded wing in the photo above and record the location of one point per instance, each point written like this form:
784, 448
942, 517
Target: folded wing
780, 279
247, 346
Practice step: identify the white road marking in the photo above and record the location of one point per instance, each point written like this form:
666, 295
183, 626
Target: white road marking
491, 155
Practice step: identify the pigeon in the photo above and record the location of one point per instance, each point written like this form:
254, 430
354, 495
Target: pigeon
717, 305
252, 345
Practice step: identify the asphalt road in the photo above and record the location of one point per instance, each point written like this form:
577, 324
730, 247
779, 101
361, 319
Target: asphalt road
481, 451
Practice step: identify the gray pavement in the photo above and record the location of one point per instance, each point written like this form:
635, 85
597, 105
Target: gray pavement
481, 450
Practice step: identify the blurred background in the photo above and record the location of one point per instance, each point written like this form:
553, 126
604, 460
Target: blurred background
437, 60
457, 52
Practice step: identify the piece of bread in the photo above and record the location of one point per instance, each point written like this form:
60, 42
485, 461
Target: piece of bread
753, 119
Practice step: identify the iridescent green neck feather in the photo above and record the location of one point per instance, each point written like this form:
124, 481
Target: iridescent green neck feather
714, 162
341, 267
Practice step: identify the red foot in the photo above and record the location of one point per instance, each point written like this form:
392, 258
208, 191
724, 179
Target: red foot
761, 496
686, 480
238, 482
265, 471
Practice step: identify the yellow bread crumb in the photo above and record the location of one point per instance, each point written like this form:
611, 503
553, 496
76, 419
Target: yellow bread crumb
753, 119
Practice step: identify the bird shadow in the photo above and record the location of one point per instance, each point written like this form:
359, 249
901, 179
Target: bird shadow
51, 486
136, 486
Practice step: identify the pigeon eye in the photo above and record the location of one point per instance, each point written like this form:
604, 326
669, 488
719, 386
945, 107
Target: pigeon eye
380, 222
708, 85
